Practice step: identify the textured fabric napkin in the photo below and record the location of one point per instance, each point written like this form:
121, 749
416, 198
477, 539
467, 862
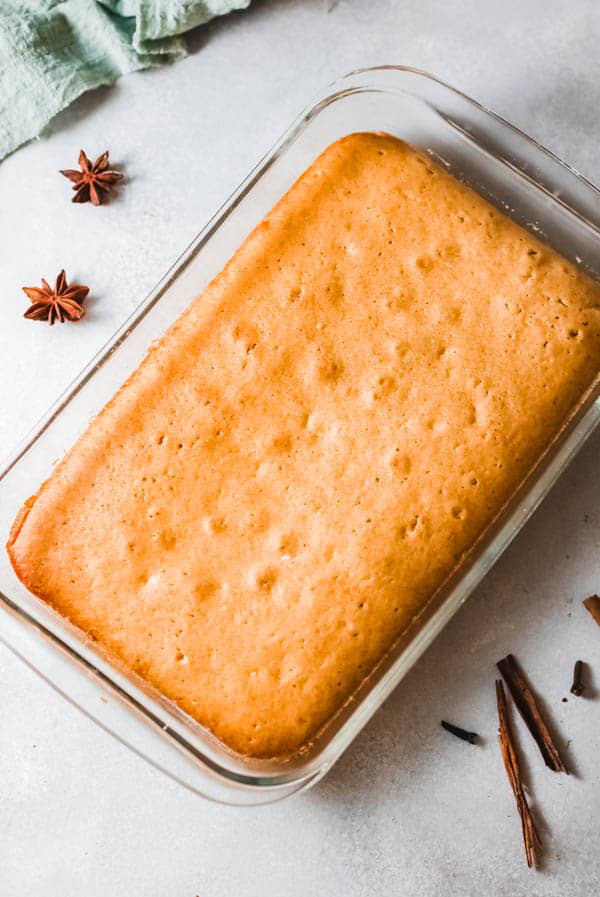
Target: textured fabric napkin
51, 51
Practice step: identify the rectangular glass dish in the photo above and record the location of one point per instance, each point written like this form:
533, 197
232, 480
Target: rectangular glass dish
506, 168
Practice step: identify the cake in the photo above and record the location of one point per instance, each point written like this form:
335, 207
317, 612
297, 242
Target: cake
314, 447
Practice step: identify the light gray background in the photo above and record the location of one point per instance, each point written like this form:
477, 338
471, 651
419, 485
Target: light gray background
408, 810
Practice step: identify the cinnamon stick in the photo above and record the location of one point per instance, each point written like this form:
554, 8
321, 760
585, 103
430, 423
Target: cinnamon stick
592, 604
531, 839
527, 706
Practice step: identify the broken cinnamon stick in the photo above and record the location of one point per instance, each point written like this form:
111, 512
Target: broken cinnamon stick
463, 734
578, 685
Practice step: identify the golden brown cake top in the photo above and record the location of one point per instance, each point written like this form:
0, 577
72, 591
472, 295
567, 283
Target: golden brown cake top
309, 452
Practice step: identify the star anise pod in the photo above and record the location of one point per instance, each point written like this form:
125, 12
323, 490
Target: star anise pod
63, 303
93, 181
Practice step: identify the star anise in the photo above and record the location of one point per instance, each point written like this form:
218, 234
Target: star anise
93, 181
63, 303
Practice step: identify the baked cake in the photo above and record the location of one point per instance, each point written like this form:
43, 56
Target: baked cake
309, 452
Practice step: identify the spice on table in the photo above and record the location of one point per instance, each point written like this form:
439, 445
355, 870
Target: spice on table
531, 839
63, 303
592, 604
471, 737
94, 180
578, 686
527, 706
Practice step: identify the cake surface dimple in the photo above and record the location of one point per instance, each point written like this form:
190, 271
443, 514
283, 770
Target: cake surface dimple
312, 448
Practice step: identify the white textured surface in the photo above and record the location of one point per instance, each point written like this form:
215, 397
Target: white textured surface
408, 810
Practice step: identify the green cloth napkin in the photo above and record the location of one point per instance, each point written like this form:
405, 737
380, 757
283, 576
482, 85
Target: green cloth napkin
51, 51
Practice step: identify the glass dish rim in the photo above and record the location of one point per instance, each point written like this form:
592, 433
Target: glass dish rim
321, 760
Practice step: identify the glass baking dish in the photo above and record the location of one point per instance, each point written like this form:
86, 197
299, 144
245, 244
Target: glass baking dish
509, 169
